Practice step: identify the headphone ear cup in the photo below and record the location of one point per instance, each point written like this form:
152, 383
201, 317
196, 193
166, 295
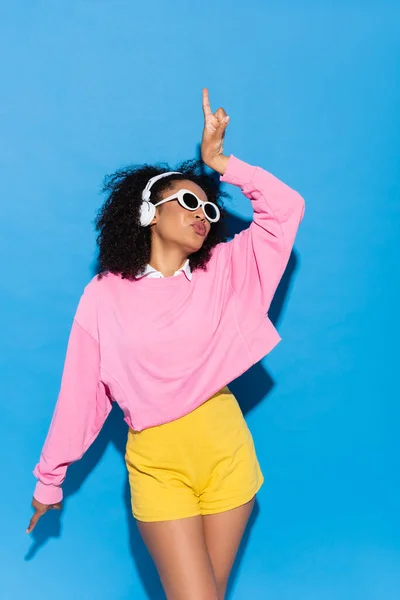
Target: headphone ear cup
147, 212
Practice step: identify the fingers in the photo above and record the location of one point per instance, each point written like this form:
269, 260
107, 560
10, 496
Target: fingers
206, 104
40, 509
220, 114
33, 522
216, 120
223, 125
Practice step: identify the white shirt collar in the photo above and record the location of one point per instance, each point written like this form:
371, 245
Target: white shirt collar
154, 274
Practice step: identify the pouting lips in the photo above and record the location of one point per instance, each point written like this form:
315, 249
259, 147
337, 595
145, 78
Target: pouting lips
200, 228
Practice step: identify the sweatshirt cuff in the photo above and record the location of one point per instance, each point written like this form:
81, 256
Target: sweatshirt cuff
47, 493
238, 172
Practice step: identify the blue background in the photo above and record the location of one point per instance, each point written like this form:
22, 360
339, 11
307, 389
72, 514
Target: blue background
313, 91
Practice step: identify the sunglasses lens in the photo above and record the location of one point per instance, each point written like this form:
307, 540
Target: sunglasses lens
211, 211
190, 201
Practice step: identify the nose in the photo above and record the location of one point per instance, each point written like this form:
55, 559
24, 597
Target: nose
199, 214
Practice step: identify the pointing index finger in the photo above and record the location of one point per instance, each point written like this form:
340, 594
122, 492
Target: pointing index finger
206, 103
35, 518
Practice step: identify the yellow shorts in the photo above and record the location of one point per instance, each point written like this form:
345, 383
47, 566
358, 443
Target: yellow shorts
200, 464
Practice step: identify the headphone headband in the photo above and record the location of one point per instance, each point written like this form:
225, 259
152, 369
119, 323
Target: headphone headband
147, 209
146, 192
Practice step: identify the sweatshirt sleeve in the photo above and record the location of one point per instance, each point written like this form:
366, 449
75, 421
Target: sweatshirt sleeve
257, 257
81, 410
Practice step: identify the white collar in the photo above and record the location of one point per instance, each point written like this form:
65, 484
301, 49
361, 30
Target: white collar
153, 273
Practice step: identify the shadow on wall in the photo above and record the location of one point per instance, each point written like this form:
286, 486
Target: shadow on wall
249, 389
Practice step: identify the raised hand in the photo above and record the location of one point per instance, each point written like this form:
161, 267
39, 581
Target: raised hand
212, 143
40, 509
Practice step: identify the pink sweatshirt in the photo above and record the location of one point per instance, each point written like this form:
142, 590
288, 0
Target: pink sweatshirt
161, 347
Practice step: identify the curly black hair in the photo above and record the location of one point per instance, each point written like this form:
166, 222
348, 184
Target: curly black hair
124, 246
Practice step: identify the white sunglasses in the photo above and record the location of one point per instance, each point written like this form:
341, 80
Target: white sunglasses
191, 202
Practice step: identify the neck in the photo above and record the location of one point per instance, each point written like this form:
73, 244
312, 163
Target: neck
167, 260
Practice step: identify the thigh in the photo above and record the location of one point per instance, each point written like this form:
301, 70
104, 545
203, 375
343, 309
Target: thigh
179, 550
223, 534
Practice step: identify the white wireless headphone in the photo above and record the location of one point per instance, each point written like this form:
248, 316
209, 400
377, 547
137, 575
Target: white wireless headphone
147, 208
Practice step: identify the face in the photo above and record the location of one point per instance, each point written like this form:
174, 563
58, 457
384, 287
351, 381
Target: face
174, 224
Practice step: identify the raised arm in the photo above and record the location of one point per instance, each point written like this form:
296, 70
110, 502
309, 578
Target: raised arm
257, 257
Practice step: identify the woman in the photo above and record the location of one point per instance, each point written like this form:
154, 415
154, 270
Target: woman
175, 314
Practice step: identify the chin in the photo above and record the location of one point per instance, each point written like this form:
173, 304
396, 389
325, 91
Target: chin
194, 244
191, 248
